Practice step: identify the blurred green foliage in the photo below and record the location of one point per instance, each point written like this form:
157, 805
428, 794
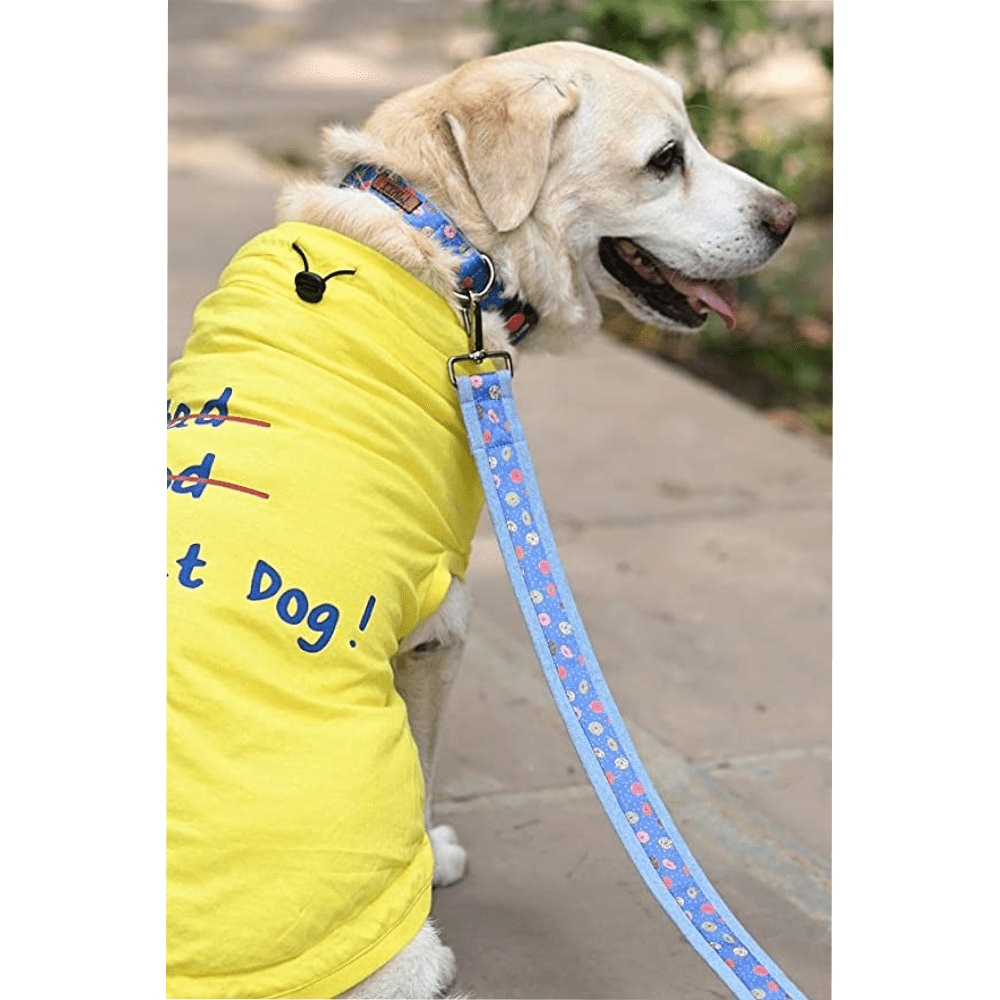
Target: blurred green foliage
641, 29
777, 359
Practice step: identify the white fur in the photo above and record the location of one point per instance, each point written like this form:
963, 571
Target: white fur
423, 968
536, 155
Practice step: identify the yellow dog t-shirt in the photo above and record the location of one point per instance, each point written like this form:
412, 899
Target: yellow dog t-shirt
321, 496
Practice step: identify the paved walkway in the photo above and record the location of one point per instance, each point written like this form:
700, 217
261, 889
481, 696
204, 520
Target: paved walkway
696, 537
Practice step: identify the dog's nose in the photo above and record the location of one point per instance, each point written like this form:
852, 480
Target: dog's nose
778, 214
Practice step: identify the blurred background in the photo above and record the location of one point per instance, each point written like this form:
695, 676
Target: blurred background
250, 85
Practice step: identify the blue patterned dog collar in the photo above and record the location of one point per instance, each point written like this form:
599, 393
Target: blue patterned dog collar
420, 212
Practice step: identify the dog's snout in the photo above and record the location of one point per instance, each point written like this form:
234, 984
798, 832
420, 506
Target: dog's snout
778, 215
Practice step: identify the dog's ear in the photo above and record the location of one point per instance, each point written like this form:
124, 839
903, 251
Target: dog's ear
504, 124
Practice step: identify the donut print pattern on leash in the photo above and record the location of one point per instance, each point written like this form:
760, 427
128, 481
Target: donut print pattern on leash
636, 811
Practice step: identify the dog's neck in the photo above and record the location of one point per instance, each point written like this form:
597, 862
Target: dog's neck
473, 270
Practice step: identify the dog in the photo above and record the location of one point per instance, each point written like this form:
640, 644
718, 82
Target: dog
322, 500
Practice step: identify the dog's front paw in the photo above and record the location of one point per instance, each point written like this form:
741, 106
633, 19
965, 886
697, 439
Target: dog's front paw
449, 856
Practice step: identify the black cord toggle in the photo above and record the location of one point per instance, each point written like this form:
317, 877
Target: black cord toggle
310, 286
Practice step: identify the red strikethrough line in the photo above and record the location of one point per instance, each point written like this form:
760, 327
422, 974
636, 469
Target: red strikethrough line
218, 482
208, 416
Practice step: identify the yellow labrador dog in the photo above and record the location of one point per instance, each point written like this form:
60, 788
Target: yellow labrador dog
306, 686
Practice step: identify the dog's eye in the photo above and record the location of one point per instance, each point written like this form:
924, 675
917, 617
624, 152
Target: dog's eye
668, 159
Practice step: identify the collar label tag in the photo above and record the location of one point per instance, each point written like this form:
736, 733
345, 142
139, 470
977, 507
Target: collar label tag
405, 198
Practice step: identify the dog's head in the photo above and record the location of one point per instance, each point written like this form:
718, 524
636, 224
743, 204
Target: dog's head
577, 170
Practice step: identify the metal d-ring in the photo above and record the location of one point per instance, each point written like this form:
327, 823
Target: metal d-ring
472, 315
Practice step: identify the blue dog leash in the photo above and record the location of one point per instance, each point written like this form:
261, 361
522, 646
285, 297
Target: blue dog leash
574, 676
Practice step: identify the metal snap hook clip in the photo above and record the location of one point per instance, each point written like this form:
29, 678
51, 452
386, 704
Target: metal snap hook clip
472, 315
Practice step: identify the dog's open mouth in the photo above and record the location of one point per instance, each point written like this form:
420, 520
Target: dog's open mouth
684, 300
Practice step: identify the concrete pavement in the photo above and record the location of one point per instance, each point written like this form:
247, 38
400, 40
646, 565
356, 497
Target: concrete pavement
695, 534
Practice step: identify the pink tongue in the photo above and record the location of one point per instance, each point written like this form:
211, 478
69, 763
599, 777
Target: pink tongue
720, 296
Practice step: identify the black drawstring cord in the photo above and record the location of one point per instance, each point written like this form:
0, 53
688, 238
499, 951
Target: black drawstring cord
309, 286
